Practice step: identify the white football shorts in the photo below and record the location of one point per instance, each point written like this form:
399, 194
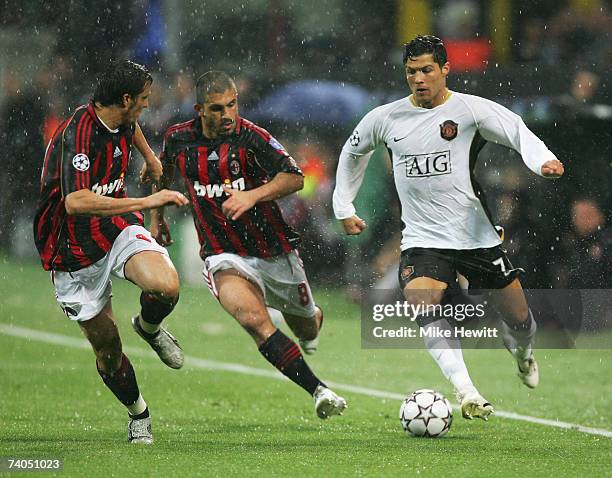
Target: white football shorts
281, 279
83, 294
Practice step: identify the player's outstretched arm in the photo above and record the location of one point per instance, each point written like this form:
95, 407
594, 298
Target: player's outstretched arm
352, 165
87, 203
152, 168
500, 125
159, 227
280, 186
553, 169
353, 225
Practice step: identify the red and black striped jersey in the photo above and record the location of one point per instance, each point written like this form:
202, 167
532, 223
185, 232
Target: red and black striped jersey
82, 154
245, 160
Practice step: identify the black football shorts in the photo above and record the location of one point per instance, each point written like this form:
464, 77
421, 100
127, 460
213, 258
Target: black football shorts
484, 268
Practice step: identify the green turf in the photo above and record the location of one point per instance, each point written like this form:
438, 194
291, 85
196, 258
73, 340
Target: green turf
213, 423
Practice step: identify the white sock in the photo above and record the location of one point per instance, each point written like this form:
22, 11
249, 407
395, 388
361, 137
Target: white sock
449, 357
137, 407
147, 327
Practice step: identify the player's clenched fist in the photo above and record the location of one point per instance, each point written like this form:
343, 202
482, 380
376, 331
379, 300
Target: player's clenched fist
166, 196
553, 169
238, 203
152, 170
353, 225
161, 232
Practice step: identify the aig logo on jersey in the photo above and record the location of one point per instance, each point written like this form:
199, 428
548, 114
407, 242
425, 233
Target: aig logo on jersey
431, 164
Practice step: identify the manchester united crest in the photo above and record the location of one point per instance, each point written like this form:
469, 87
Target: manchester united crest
448, 130
407, 272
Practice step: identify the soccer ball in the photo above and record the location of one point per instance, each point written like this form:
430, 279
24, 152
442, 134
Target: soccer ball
426, 413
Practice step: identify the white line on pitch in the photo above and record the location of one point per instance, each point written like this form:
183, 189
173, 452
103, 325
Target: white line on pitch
58, 339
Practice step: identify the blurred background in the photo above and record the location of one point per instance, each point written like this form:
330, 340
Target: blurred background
307, 72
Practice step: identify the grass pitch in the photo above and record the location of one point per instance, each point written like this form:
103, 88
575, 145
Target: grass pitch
209, 421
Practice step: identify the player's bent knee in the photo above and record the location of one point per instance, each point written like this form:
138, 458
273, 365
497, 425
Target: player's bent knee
520, 313
169, 293
165, 287
424, 296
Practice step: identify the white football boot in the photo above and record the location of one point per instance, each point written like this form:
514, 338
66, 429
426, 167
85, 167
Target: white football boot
163, 343
523, 354
474, 405
309, 347
327, 403
527, 366
528, 371
139, 431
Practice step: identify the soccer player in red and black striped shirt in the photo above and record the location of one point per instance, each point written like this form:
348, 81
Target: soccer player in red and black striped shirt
87, 229
233, 171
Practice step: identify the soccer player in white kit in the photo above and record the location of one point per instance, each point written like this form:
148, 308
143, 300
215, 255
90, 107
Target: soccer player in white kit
433, 137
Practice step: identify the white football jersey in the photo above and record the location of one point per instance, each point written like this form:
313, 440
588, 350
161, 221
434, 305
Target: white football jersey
433, 153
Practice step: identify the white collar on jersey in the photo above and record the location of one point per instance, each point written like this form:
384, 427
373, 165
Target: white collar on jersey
106, 126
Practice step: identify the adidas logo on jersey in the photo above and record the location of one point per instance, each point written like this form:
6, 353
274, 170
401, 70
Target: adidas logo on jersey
213, 156
104, 189
216, 190
430, 164
117, 152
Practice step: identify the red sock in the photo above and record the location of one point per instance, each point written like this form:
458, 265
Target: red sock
285, 355
122, 382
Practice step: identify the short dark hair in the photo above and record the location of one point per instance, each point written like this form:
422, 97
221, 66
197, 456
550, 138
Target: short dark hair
425, 45
121, 77
212, 82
